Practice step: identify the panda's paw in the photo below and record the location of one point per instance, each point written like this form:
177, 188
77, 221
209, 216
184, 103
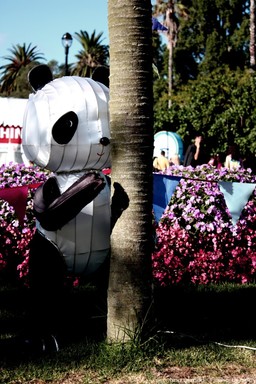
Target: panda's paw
41, 345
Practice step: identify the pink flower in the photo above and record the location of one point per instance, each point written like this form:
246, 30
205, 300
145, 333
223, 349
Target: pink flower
196, 241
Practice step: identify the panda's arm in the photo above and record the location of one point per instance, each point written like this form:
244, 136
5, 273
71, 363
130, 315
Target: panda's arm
53, 209
120, 202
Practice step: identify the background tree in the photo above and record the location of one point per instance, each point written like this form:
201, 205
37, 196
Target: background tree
210, 68
171, 11
57, 70
210, 34
252, 34
92, 55
222, 105
215, 34
129, 293
19, 65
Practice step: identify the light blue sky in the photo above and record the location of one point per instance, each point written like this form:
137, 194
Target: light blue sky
43, 22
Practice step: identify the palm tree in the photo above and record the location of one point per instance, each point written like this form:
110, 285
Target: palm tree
92, 55
171, 11
131, 109
252, 35
22, 57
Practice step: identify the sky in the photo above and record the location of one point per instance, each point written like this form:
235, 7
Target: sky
43, 23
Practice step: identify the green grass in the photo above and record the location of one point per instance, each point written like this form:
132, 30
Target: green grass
190, 323
108, 361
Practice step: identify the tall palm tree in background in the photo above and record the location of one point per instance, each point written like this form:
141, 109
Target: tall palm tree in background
171, 10
131, 111
21, 59
92, 55
252, 35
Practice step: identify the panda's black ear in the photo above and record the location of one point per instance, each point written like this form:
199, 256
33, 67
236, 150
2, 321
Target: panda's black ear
39, 76
101, 74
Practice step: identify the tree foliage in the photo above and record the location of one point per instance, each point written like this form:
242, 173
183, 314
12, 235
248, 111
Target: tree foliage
13, 81
92, 54
213, 88
221, 104
13, 73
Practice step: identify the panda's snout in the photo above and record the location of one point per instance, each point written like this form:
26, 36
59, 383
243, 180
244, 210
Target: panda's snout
104, 141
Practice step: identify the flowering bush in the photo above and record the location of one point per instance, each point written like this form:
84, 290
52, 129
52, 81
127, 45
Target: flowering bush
14, 236
196, 240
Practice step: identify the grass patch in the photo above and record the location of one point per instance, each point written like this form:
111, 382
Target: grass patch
102, 362
190, 321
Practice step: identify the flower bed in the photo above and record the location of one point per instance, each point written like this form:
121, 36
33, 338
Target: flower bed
196, 241
14, 236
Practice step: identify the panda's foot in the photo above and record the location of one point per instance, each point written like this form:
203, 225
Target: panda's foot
41, 345
23, 347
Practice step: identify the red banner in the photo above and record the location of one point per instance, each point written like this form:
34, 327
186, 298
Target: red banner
17, 197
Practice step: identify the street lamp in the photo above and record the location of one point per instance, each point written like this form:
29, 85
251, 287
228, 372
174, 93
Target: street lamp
66, 42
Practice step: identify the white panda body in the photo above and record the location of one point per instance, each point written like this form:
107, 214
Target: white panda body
84, 241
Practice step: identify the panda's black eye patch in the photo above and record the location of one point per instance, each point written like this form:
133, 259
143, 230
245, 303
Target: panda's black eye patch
65, 128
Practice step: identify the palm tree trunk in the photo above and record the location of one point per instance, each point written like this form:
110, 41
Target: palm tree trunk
170, 74
252, 34
131, 106
171, 24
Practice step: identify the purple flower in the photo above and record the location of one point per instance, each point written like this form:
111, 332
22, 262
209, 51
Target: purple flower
196, 229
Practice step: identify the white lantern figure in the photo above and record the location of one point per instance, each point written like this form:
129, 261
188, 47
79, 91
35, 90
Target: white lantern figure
66, 130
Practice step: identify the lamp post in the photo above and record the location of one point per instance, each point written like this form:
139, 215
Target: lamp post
66, 42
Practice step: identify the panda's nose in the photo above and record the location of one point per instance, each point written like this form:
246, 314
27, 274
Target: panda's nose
65, 128
104, 141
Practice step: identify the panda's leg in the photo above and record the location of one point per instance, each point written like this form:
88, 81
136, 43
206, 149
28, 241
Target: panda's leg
47, 272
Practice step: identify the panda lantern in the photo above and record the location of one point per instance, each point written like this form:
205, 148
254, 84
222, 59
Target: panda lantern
66, 131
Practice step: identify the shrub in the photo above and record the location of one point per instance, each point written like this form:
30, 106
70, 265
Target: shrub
196, 240
15, 237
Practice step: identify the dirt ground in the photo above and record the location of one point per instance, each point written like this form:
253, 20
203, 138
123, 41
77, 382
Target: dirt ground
168, 375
